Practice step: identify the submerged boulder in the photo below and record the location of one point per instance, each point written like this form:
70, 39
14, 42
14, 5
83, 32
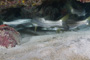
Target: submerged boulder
9, 37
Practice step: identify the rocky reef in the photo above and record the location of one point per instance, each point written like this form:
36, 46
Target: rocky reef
49, 9
52, 10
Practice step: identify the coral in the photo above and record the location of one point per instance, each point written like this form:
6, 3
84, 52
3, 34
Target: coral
9, 37
84, 1
6, 5
15, 3
49, 9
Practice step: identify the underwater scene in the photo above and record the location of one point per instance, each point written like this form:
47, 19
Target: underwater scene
44, 29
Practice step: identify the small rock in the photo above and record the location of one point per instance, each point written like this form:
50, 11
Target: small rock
9, 37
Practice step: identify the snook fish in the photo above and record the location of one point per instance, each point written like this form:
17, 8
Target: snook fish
40, 22
19, 23
78, 12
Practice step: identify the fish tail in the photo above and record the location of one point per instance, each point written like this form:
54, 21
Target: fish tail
35, 28
64, 18
88, 20
64, 22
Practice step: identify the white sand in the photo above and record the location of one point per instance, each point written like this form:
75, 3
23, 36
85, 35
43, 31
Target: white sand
63, 46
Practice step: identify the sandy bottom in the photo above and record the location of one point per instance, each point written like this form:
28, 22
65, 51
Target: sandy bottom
71, 45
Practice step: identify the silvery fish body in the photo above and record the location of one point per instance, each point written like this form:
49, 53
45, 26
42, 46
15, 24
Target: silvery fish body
40, 22
78, 12
47, 23
50, 24
19, 22
79, 24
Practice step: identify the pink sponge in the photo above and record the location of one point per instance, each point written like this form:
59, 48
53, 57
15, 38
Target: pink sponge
9, 37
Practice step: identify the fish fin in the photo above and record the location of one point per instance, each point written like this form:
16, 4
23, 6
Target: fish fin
64, 18
41, 19
35, 28
58, 30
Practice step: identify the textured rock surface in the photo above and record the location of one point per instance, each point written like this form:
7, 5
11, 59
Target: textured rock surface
8, 36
